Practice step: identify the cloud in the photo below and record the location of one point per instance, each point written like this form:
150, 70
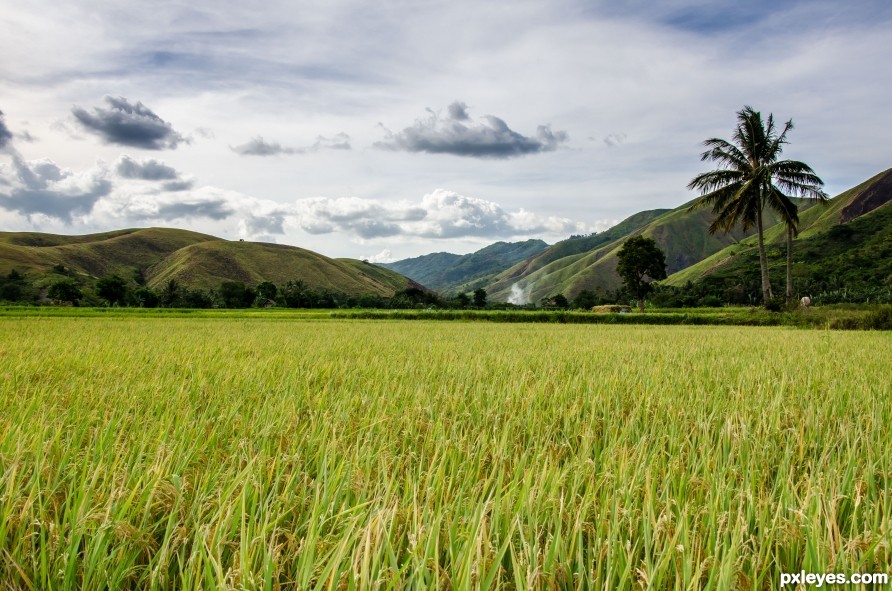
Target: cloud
41, 188
153, 171
441, 214
260, 225
458, 111
179, 185
614, 139
129, 124
260, 147
458, 135
5, 134
385, 256
103, 197
147, 170
215, 209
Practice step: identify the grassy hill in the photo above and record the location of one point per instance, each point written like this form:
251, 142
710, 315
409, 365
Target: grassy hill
843, 253
196, 261
93, 255
446, 272
208, 264
680, 233
821, 231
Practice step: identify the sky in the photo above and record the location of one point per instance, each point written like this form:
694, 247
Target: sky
391, 129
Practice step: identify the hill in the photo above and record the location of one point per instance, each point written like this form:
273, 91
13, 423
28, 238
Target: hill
844, 245
197, 261
568, 268
447, 272
93, 255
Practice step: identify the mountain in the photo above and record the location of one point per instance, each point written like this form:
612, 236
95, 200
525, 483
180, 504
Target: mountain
447, 272
194, 260
845, 244
568, 269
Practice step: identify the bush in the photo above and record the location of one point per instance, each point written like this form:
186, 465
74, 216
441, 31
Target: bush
880, 319
776, 304
710, 301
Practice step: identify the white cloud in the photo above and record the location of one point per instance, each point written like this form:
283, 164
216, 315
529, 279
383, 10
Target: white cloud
385, 256
439, 215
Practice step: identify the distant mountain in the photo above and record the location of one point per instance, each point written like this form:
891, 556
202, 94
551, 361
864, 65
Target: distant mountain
194, 260
447, 273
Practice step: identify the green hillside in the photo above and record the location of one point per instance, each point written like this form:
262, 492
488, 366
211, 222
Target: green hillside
581, 245
680, 233
424, 269
843, 254
93, 255
208, 264
824, 223
195, 261
448, 272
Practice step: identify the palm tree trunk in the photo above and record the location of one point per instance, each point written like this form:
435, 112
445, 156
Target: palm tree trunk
763, 261
789, 265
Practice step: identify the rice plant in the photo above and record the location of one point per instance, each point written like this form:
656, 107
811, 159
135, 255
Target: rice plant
276, 453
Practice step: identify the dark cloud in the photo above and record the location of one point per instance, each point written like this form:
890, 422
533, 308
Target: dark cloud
129, 124
458, 111
457, 134
260, 147
54, 203
5, 134
44, 188
215, 209
147, 170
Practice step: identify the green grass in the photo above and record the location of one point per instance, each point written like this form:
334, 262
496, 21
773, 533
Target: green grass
847, 317
265, 453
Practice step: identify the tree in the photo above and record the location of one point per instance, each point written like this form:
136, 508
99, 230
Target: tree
112, 289
750, 178
267, 290
170, 294
65, 291
640, 262
480, 297
236, 295
143, 297
586, 299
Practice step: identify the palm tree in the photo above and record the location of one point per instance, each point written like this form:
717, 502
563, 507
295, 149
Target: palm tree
750, 178
793, 231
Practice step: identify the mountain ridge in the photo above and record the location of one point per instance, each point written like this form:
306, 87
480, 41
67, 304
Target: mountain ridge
154, 256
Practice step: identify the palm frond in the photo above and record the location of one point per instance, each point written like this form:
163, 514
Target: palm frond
750, 177
710, 181
798, 179
776, 200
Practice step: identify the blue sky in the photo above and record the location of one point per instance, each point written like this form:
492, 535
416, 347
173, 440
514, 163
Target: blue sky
398, 128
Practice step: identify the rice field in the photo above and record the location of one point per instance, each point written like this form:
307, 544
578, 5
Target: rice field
252, 453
